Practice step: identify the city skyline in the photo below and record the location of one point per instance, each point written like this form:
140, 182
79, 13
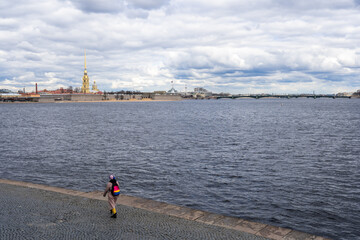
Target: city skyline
229, 46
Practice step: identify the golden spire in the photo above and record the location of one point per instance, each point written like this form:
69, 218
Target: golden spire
85, 58
85, 85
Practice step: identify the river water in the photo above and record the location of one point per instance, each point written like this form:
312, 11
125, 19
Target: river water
292, 163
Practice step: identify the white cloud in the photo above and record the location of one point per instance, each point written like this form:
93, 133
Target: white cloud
230, 46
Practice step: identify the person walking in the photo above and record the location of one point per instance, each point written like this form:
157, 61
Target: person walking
113, 191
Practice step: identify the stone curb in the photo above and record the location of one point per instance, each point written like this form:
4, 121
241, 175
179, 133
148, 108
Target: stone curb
259, 229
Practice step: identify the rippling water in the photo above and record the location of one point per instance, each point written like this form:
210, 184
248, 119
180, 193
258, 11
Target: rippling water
291, 163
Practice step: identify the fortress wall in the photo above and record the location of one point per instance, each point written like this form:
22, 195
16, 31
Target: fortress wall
124, 97
54, 98
110, 97
86, 97
46, 99
167, 97
69, 97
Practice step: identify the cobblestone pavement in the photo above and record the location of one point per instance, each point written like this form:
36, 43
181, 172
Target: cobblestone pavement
28, 213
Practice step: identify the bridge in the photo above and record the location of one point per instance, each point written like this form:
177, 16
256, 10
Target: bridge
257, 96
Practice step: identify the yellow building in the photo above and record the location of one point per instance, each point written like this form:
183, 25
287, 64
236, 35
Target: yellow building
85, 88
94, 87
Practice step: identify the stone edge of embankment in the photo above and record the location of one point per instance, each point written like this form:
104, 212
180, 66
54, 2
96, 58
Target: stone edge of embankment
259, 229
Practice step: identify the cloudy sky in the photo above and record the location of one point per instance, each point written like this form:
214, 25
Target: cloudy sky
235, 46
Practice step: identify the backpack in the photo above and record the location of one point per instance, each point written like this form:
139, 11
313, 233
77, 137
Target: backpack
115, 190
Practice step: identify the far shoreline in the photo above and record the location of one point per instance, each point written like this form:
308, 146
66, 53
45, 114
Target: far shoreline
146, 100
102, 101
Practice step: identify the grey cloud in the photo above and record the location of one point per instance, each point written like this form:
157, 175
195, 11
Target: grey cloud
8, 24
23, 8
32, 57
244, 64
259, 9
136, 13
147, 4
315, 4
25, 45
116, 6
103, 6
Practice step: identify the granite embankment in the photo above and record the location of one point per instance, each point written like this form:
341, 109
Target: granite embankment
33, 211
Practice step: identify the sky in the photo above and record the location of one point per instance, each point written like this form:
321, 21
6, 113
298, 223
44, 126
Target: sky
232, 46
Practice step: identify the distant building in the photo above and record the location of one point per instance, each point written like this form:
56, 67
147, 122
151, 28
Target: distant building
57, 91
344, 94
200, 90
356, 94
172, 91
5, 91
201, 93
159, 92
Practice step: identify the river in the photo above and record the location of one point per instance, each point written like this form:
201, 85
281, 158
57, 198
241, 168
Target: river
292, 163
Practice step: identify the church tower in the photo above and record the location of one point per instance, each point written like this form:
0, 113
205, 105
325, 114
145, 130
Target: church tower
94, 87
85, 88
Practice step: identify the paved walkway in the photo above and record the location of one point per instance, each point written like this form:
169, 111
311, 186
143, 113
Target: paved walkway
32, 211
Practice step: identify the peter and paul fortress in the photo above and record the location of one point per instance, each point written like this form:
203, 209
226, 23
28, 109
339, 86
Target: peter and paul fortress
85, 88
